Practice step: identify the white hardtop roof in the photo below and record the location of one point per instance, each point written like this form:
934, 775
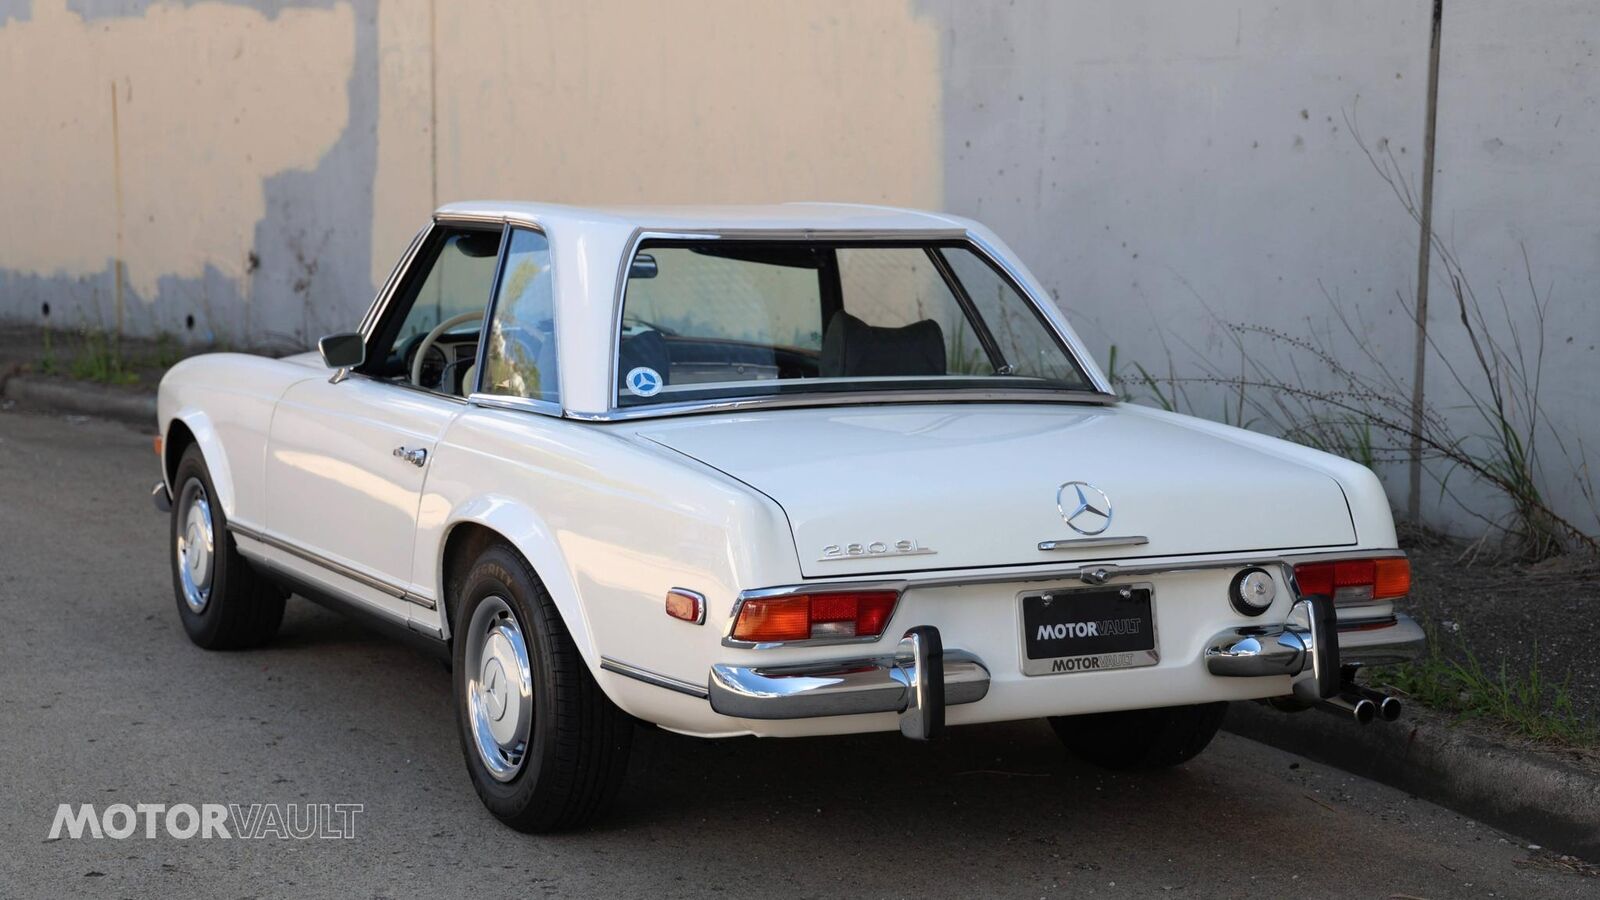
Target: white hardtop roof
588, 246
776, 216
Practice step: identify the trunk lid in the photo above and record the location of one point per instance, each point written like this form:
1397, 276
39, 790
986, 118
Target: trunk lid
915, 488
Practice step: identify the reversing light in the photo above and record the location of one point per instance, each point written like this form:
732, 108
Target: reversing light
1355, 580
824, 614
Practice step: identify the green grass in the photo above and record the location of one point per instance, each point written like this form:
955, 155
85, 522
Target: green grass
48, 364
1528, 703
94, 355
100, 359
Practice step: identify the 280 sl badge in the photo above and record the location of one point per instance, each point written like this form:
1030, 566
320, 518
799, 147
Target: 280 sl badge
903, 547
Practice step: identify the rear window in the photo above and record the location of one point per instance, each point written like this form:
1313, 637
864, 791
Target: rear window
733, 318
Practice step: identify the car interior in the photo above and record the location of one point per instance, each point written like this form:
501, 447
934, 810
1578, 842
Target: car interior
430, 336
848, 346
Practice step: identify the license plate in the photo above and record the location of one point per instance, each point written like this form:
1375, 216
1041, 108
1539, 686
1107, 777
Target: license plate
1088, 630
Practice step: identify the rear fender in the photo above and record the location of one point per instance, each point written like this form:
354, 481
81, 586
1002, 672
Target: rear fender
528, 534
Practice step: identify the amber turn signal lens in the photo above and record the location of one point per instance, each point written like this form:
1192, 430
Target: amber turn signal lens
799, 617
157, 443
776, 619
1392, 578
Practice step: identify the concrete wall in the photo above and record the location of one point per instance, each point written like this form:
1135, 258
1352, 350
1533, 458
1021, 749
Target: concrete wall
247, 171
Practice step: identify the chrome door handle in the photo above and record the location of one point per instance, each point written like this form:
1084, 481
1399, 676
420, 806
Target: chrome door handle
417, 457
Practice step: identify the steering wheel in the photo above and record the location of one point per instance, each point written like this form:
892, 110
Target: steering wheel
433, 338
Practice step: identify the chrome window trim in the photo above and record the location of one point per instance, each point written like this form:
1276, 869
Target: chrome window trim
405, 385
507, 401
1052, 313
469, 219
639, 673
378, 584
380, 303
516, 404
840, 398
631, 249
488, 309
789, 590
984, 249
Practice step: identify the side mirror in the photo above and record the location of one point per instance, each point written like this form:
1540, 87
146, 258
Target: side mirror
345, 350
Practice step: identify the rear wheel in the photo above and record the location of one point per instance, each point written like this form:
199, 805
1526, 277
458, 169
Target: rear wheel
1141, 738
223, 603
545, 747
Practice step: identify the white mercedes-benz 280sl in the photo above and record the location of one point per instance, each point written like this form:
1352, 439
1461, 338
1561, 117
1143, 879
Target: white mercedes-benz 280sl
791, 470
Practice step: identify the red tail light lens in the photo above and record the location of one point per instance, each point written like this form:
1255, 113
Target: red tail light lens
1349, 580
801, 617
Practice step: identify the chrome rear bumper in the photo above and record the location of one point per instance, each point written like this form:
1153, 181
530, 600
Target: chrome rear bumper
1288, 649
907, 683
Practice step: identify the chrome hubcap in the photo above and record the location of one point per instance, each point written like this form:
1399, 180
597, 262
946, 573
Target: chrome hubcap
499, 688
195, 546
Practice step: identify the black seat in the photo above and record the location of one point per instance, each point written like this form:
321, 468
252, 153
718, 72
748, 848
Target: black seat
851, 347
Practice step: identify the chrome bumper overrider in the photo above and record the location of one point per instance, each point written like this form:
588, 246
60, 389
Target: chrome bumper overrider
908, 683
1289, 649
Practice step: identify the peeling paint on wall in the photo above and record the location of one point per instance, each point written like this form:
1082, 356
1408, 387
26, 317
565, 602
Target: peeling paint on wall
15, 11
210, 102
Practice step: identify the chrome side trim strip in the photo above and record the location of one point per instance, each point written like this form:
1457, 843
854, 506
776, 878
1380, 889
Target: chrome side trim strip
337, 568
653, 678
1132, 540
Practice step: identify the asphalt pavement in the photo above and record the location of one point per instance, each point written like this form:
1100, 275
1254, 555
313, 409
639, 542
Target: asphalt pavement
104, 701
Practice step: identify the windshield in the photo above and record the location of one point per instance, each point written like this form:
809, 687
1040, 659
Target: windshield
719, 319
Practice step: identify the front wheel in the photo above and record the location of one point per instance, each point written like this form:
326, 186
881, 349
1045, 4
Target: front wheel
224, 604
1141, 738
545, 747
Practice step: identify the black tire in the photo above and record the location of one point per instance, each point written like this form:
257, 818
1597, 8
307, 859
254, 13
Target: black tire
1141, 738
578, 743
241, 609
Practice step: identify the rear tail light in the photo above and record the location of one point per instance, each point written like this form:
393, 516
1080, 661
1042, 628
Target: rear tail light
1354, 580
804, 617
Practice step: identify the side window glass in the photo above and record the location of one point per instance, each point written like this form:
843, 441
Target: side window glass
429, 338
520, 360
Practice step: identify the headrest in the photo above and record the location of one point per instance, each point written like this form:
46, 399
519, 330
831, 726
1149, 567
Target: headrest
851, 347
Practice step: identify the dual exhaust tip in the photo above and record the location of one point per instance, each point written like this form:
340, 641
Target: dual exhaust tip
1362, 703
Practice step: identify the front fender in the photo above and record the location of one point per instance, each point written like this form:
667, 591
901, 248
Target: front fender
226, 401
205, 434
